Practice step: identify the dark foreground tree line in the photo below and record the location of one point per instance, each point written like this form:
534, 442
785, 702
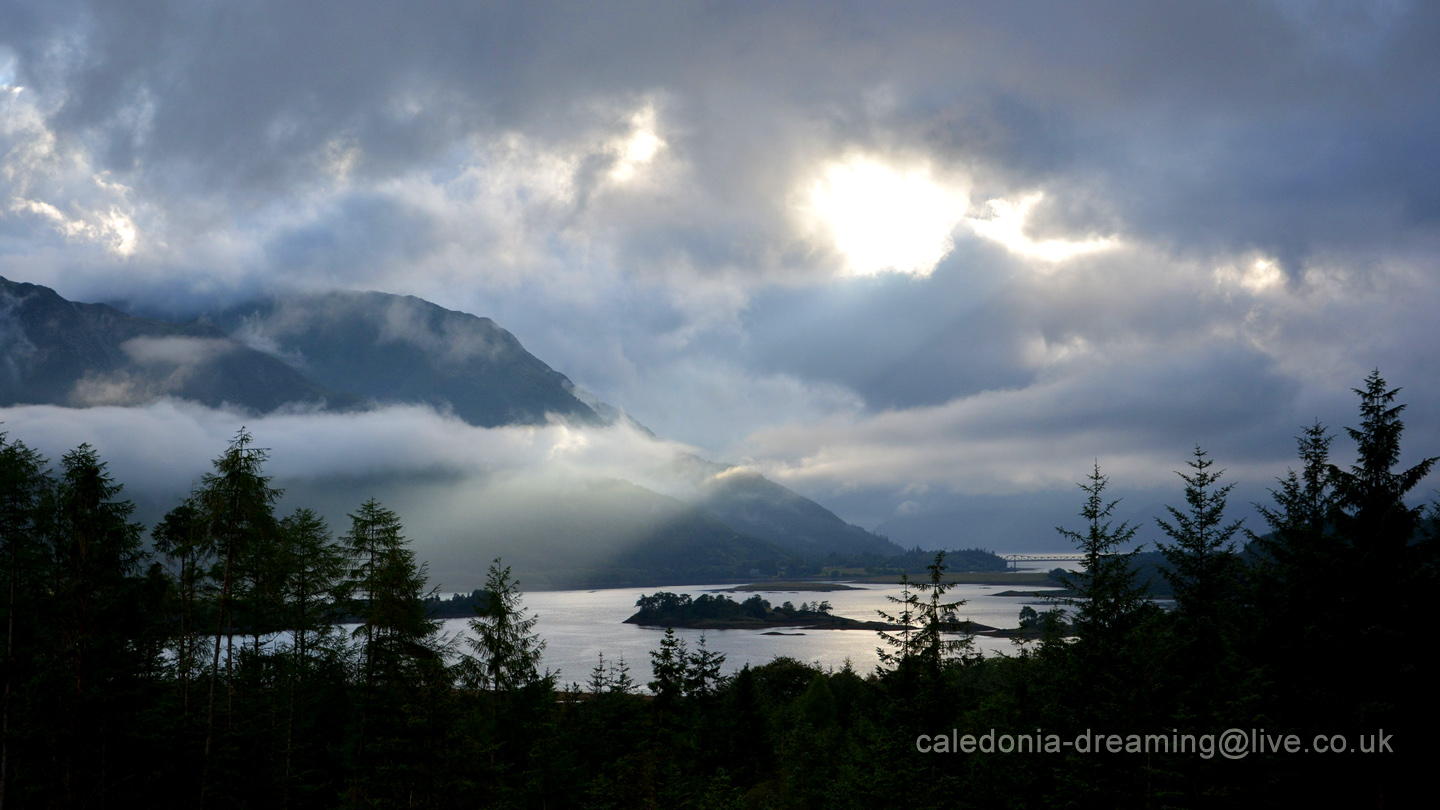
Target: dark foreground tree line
154, 678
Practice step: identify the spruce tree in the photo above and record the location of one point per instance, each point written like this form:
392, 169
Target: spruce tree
1388, 565
1373, 518
1296, 579
703, 670
667, 667
1108, 597
903, 643
937, 618
505, 650
1202, 564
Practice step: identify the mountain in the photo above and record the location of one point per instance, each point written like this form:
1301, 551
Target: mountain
396, 348
346, 350
751, 503
404, 349
58, 352
612, 534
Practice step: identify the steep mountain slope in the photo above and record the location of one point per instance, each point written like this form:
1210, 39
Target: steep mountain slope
351, 349
404, 349
58, 352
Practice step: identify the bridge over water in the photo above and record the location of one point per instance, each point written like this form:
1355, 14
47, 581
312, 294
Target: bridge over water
1015, 559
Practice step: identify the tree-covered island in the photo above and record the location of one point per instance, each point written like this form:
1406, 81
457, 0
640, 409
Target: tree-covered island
720, 612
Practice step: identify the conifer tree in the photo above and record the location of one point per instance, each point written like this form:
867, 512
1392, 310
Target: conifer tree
620, 681
25, 485
1202, 555
703, 670
237, 504
937, 618
96, 612
505, 648
386, 591
667, 667
401, 658
181, 537
1389, 563
1373, 517
599, 682
1298, 571
902, 644
1108, 596
314, 571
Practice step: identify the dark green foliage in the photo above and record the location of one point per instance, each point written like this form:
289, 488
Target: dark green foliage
1109, 597
505, 651
1202, 552
1203, 571
25, 487
402, 678
935, 642
903, 644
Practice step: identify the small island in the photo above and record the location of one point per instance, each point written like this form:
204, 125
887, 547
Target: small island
711, 612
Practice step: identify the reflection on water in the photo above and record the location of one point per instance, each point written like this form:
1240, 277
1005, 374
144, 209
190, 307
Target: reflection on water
579, 625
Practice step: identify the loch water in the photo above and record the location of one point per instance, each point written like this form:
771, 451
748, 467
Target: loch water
578, 626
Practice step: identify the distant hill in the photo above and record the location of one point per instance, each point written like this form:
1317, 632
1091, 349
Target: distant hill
59, 352
395, 348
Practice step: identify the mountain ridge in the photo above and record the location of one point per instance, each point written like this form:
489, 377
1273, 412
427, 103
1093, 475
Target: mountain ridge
344, 350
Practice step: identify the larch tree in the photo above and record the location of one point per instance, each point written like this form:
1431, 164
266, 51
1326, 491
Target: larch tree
237, 505
401, 657
96, 610
25, 484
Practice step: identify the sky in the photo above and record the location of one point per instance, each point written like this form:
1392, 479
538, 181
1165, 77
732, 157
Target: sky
916, 260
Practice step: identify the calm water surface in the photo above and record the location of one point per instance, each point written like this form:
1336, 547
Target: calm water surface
580, 625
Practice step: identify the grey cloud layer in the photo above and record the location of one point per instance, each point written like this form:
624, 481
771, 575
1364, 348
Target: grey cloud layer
473, 154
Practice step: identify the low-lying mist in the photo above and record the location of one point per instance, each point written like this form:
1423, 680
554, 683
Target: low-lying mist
552, 500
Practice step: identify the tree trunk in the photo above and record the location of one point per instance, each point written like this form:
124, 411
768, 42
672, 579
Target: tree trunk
215, 674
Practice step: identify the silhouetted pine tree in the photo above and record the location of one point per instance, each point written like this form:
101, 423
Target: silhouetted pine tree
101, 655
182, 539
399, 722
25, 488
1107, 676
314, 570
1389, 573
1297, 577
237, 505
1108, 596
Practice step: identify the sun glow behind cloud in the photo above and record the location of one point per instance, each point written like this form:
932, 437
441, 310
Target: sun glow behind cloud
883, 219
1006, 225
637, 148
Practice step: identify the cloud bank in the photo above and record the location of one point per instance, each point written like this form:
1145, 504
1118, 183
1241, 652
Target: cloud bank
962, 247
